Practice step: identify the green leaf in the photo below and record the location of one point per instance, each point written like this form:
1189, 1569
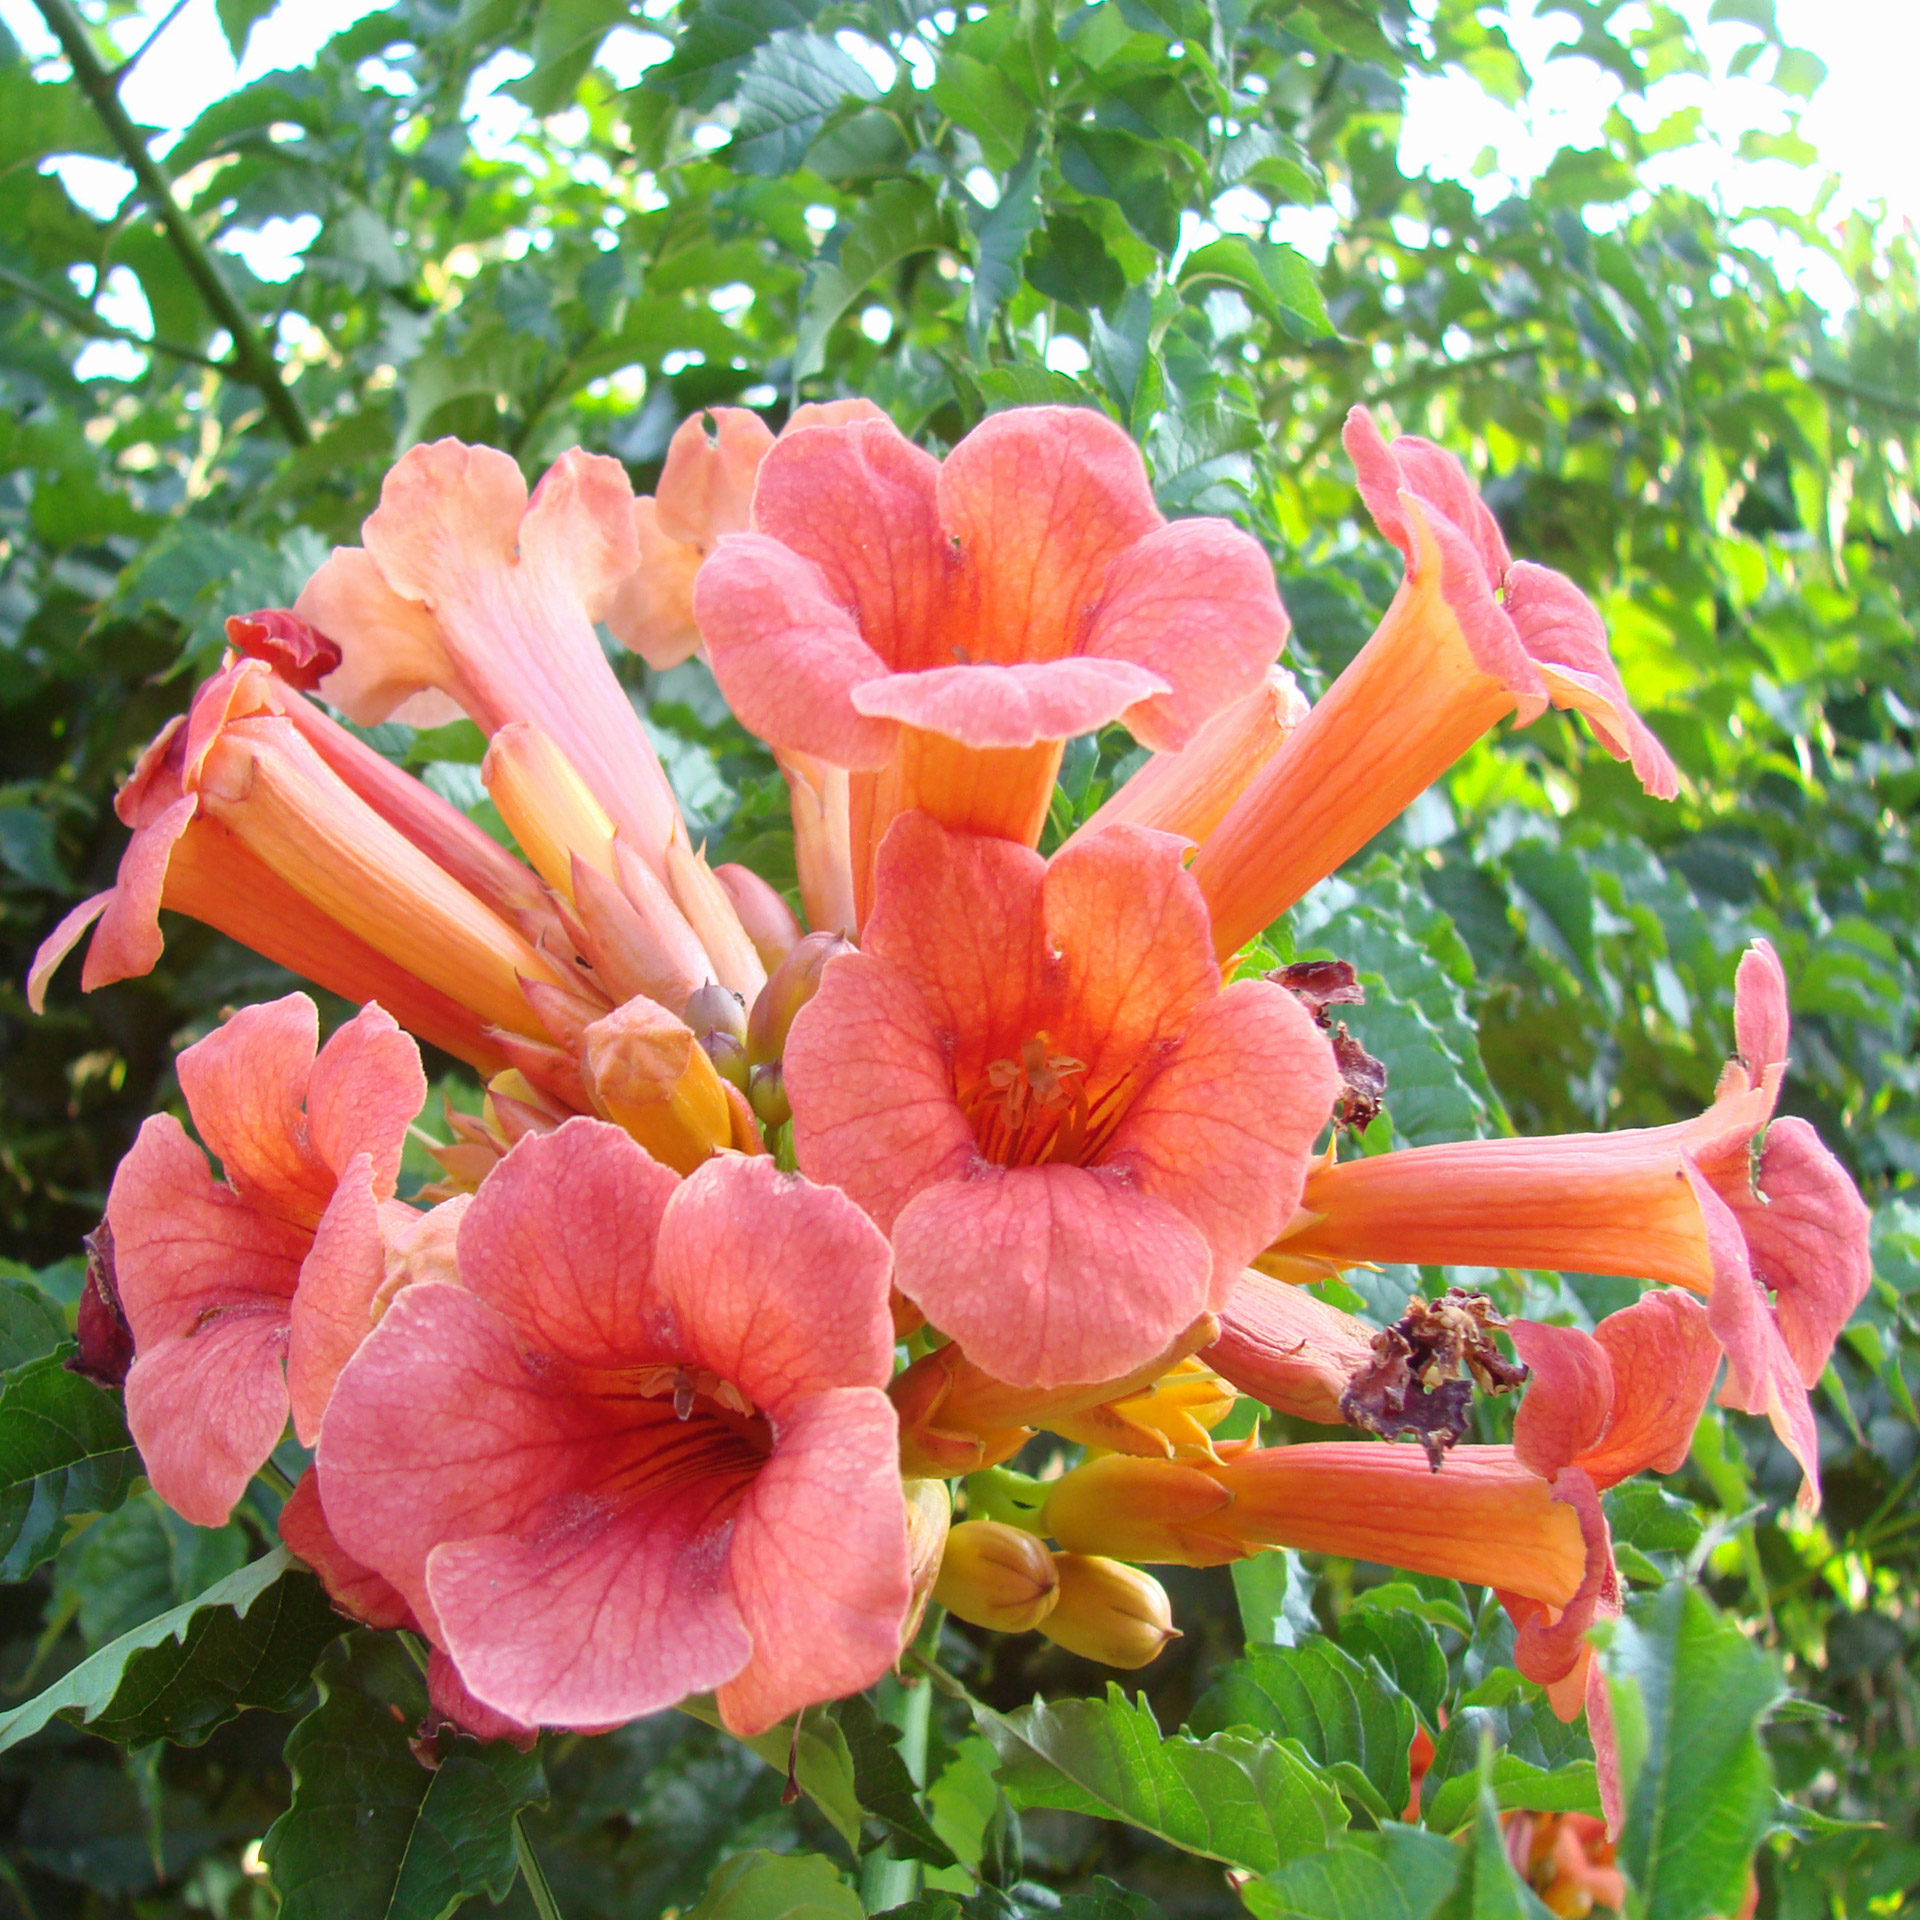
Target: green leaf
1142, 177
250, 1641
1001, 233
566, 36
1399, 1873
27, 849
64, 1450
1251, 1803
1690, 1691
129, 1566
41, 117
1276, 281
821, 1761
1527, 1771
1409, 1653
901, 218
238, 19
31, 1325
1202, 458
716, 40
777, 1886
1348, 1717
982, 99
882, 1783
786, 91
371, 1834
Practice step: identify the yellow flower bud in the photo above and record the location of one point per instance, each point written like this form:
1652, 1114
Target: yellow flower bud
1145, 1509
996, 1576
1108, 1611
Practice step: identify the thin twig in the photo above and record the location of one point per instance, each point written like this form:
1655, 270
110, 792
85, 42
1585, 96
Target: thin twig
139, 53
82, 318
253, 361
531, 1872
270, 1472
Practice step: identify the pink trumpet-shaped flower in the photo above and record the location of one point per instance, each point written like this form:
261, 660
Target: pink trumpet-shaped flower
944, 627
642, 1450
1471, 637
1030, 1077
1692, 1203
215, 1277
468, 588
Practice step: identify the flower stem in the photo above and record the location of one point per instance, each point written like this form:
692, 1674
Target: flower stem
270, 1472
253, 360
531, 1872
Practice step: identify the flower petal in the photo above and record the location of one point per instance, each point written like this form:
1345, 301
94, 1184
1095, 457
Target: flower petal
1195, 603
596, 1618
367, 1087
775, 1284
560, 1240
1050, 1274
246, 1086
206, 1408
332, 1308
392, 650
1224, 1131
187, 1248
127, 942
859, 501
869, 1078
352, 1588
1131, 932
818, 1565
1664, 1358
1040, 501
984, 705
788, 653
1760, 1019
1762, 1376
1568, 1404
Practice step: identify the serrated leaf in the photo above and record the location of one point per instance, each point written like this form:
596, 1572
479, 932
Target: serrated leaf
238, 18
1408, 1651
1487, 1888
820, 1758
1000, 236
777, 1886
1344, 1714
371, 1833
901, 218
1251, 1803
716, 40
882, 1783
250, 1641
785, 93
1454, 1780
1690, 1691
1399, 1873
64, 1450
130, 1566
1278, 282
982, 99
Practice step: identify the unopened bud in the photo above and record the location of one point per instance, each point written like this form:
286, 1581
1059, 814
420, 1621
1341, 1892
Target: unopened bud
790, 986
106, 1341
767, 1091
729, 1058
1108, 1611
717, 1009
550, 811
647, 1073
1143, 1509
929, 1514
997, 1576
765, 917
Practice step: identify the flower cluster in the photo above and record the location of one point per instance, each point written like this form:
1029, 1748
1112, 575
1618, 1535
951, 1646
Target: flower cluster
761, 1235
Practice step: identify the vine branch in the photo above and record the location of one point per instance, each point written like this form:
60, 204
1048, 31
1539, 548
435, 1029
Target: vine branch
253, 360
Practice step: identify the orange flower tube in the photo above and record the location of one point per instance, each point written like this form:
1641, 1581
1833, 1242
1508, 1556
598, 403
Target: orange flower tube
1470, 638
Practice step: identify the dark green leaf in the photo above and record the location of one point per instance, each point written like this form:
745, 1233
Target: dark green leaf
1001, 233
777, 1886
64, 1450
31, 1325
1252, 1803
1399, 1873
882, 1783
1690, 1690
820, 1758
785, 93
251, 1641
901, 219
1347, 1716
1276, 281
373, 1835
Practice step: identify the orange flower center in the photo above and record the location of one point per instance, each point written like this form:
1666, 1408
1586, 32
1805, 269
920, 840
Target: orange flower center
1035, 1109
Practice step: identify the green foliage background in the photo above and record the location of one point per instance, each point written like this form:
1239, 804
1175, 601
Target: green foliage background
1647, 408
